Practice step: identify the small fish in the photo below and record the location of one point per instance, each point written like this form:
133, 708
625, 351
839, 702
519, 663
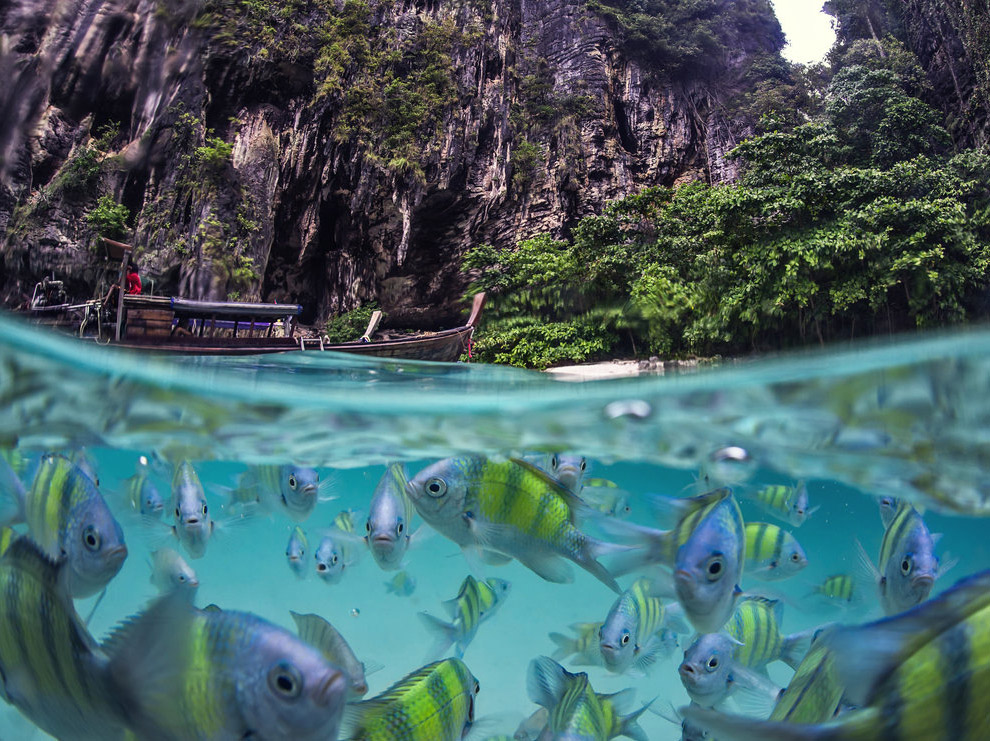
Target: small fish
295, 552
772, 553
705, 549
389, 516
584, 646
141, 492
609, 500
433, 703
193, 524
756, 625
319, 633
907, 567
568, 469
52, 669
330, 563
787, 503
838, 589
628, 636
576, 711
221, 674
67, 515
402, 584
170, 571
511, 508
916, 676
293, 490
476, 601
710, 674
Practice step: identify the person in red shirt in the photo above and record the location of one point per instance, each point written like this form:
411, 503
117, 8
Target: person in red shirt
133, 280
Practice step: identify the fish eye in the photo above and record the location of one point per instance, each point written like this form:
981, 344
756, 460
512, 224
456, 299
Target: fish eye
204, 508
584, 464
625, 639
182, 578
285, 681
292, 481
712, 663
177, 513
477, 687
91, 538
714, 569
436, 487
367, 526
795, 557
333, 558
906, 566
399, 528
554, 461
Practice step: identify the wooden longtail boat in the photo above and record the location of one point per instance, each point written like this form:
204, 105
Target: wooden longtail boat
187, 327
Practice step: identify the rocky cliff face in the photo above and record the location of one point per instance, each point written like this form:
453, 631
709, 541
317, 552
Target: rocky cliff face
330, 153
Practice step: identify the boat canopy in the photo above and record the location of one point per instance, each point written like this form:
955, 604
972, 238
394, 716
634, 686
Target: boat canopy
233, 309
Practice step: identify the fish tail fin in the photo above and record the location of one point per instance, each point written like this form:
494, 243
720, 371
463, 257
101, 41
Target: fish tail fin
445, 634
796, 647
867, 571
647, 546
595, 549
565, 646
629, 724
744, 728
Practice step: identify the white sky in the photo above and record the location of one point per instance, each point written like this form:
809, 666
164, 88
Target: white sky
808, 30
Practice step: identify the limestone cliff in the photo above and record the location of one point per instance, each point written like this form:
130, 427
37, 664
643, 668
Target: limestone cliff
330, 153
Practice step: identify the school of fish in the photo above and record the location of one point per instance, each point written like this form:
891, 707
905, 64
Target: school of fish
708, 584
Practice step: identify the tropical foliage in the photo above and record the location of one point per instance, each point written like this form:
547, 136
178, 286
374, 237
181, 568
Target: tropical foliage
860, 221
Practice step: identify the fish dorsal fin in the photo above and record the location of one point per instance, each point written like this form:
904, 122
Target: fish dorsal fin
352, 725
318, 632
577, 506
867, 654
149, 653
546, 681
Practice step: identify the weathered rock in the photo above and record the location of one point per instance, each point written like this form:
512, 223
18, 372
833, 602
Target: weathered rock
297, 210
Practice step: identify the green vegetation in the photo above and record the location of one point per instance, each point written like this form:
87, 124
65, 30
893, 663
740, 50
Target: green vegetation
861, 221
109, 218
347, 327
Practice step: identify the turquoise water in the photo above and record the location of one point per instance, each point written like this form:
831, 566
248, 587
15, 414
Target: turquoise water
907, 418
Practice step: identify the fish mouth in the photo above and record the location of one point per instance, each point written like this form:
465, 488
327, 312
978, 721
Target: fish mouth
295, 559
118, 553
191, 521
383, 540
922, 582
331, 691
688, 674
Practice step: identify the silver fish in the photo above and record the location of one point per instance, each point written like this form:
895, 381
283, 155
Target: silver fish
295, 552
169, 570
710, 674
193, 524
330, 563
389, 516
291, 489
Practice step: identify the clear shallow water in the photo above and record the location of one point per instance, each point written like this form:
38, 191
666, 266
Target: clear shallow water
908, 418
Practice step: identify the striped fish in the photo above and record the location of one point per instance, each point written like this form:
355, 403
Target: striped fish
434, 703
907, 567
141, 492
221, 674
584, 646
67, 515
476, 601
512, 508
838, 589
388, 534
706, 549
814, 692
576, 711
293, 490
51, 668
756, 625
772, 553
787, 503
710, 673
628, 637
923, 675
319, 633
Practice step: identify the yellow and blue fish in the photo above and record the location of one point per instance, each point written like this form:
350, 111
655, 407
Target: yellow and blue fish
433, 703
772, 553
476, 601
756, 625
